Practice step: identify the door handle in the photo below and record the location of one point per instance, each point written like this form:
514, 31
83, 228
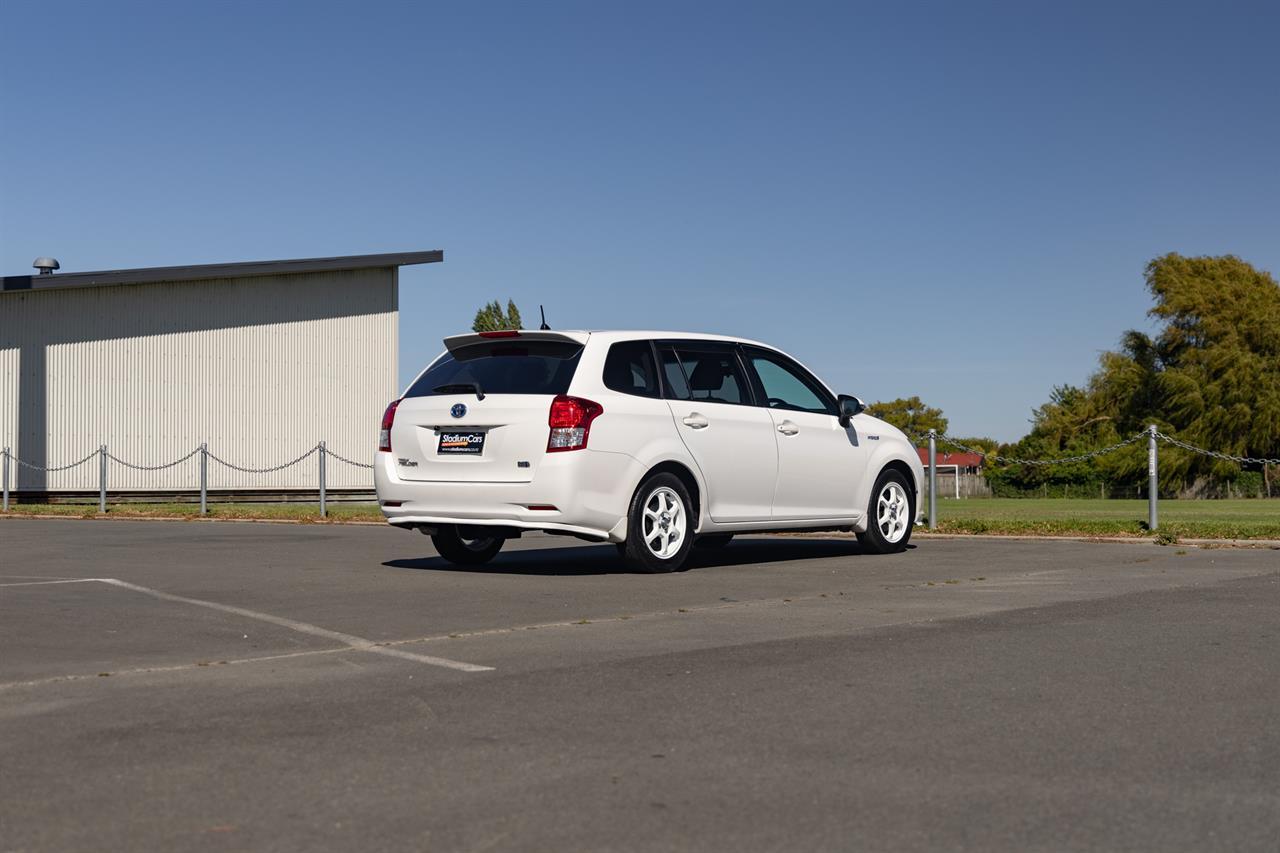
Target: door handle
788, 428
696, 421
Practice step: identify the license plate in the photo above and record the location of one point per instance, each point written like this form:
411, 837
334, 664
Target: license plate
452, 443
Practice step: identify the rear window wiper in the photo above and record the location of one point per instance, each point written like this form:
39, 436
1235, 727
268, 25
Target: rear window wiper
453, 387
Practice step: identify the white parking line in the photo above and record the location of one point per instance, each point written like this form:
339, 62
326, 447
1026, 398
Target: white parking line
351, 641
41, 578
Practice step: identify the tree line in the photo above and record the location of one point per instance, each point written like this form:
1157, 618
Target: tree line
1210, 376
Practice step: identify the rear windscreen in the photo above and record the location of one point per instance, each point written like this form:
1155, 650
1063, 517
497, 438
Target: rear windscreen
502, 367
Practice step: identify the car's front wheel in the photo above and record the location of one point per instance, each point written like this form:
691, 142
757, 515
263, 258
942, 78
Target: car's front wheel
659, 525
890, 515
465, 550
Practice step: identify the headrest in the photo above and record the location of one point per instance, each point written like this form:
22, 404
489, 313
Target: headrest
708, 375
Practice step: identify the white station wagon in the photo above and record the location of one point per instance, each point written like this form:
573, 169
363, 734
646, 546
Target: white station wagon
655, 441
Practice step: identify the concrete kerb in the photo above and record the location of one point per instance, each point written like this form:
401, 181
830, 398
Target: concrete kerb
1272, 544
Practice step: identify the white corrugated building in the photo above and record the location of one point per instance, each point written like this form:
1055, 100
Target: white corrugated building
259, 360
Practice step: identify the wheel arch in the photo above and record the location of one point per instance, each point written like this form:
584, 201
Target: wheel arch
902, 467
685, 475
889, 460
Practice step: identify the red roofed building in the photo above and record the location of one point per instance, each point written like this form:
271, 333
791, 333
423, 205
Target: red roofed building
967, 463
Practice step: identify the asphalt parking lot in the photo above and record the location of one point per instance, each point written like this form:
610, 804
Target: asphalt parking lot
290, 687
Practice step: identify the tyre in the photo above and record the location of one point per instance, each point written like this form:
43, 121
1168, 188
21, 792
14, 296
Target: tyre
465, 551
659, 526
713, 540
890, 515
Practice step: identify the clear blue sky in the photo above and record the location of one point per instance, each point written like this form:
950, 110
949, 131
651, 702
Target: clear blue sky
954, 200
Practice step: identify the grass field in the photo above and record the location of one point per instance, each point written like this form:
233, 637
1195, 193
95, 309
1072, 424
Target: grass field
1222, 519
1226, 519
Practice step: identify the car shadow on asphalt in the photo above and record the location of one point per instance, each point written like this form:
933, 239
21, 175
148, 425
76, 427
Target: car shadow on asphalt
582, 560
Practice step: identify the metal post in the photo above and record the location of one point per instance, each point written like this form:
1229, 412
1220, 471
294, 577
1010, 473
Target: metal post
1153, 480
933, 479
204, 478
324, 510
102, 479
6, 479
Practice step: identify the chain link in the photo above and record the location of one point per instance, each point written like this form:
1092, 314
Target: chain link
329, 452
270, 470
152, 467
176, 462
1009, 460
1243, 460
1083, 457
52, 468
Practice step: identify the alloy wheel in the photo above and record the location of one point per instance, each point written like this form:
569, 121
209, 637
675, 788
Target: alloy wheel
664, 523
893, 512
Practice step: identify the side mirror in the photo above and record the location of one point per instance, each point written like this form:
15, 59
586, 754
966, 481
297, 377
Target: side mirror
850, 406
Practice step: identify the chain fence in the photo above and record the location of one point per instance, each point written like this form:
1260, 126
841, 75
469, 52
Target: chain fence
103, 455
349, 461
1093, 454
270, 469
1009, 460
1242, 460
160, 467
49, 469
1152, 435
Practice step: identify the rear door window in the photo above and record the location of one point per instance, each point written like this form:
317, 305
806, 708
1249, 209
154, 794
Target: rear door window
673, 374
629, 369
708, 372
502, 367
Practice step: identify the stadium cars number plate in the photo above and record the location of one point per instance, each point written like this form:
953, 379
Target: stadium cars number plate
453, 443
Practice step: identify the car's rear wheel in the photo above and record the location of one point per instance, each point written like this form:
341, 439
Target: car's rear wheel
659, 526
890, 515
465, 550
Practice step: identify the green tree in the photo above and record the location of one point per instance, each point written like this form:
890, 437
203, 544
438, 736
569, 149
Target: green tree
491, 318
979, 443
1072, 423
1218, 370
1210, 375
910, 415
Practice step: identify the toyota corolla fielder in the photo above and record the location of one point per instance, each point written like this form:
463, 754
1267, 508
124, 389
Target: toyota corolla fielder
654, 441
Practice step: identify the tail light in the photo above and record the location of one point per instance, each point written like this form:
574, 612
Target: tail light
388, 419
570, 421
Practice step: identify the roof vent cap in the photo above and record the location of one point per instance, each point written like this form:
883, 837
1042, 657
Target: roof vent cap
46, 265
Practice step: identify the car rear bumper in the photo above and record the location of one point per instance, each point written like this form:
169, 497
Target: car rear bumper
589, 491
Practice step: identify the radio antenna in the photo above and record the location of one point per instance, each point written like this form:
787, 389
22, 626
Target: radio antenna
544, 327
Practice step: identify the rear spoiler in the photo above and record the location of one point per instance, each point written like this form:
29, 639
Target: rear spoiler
453, 342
